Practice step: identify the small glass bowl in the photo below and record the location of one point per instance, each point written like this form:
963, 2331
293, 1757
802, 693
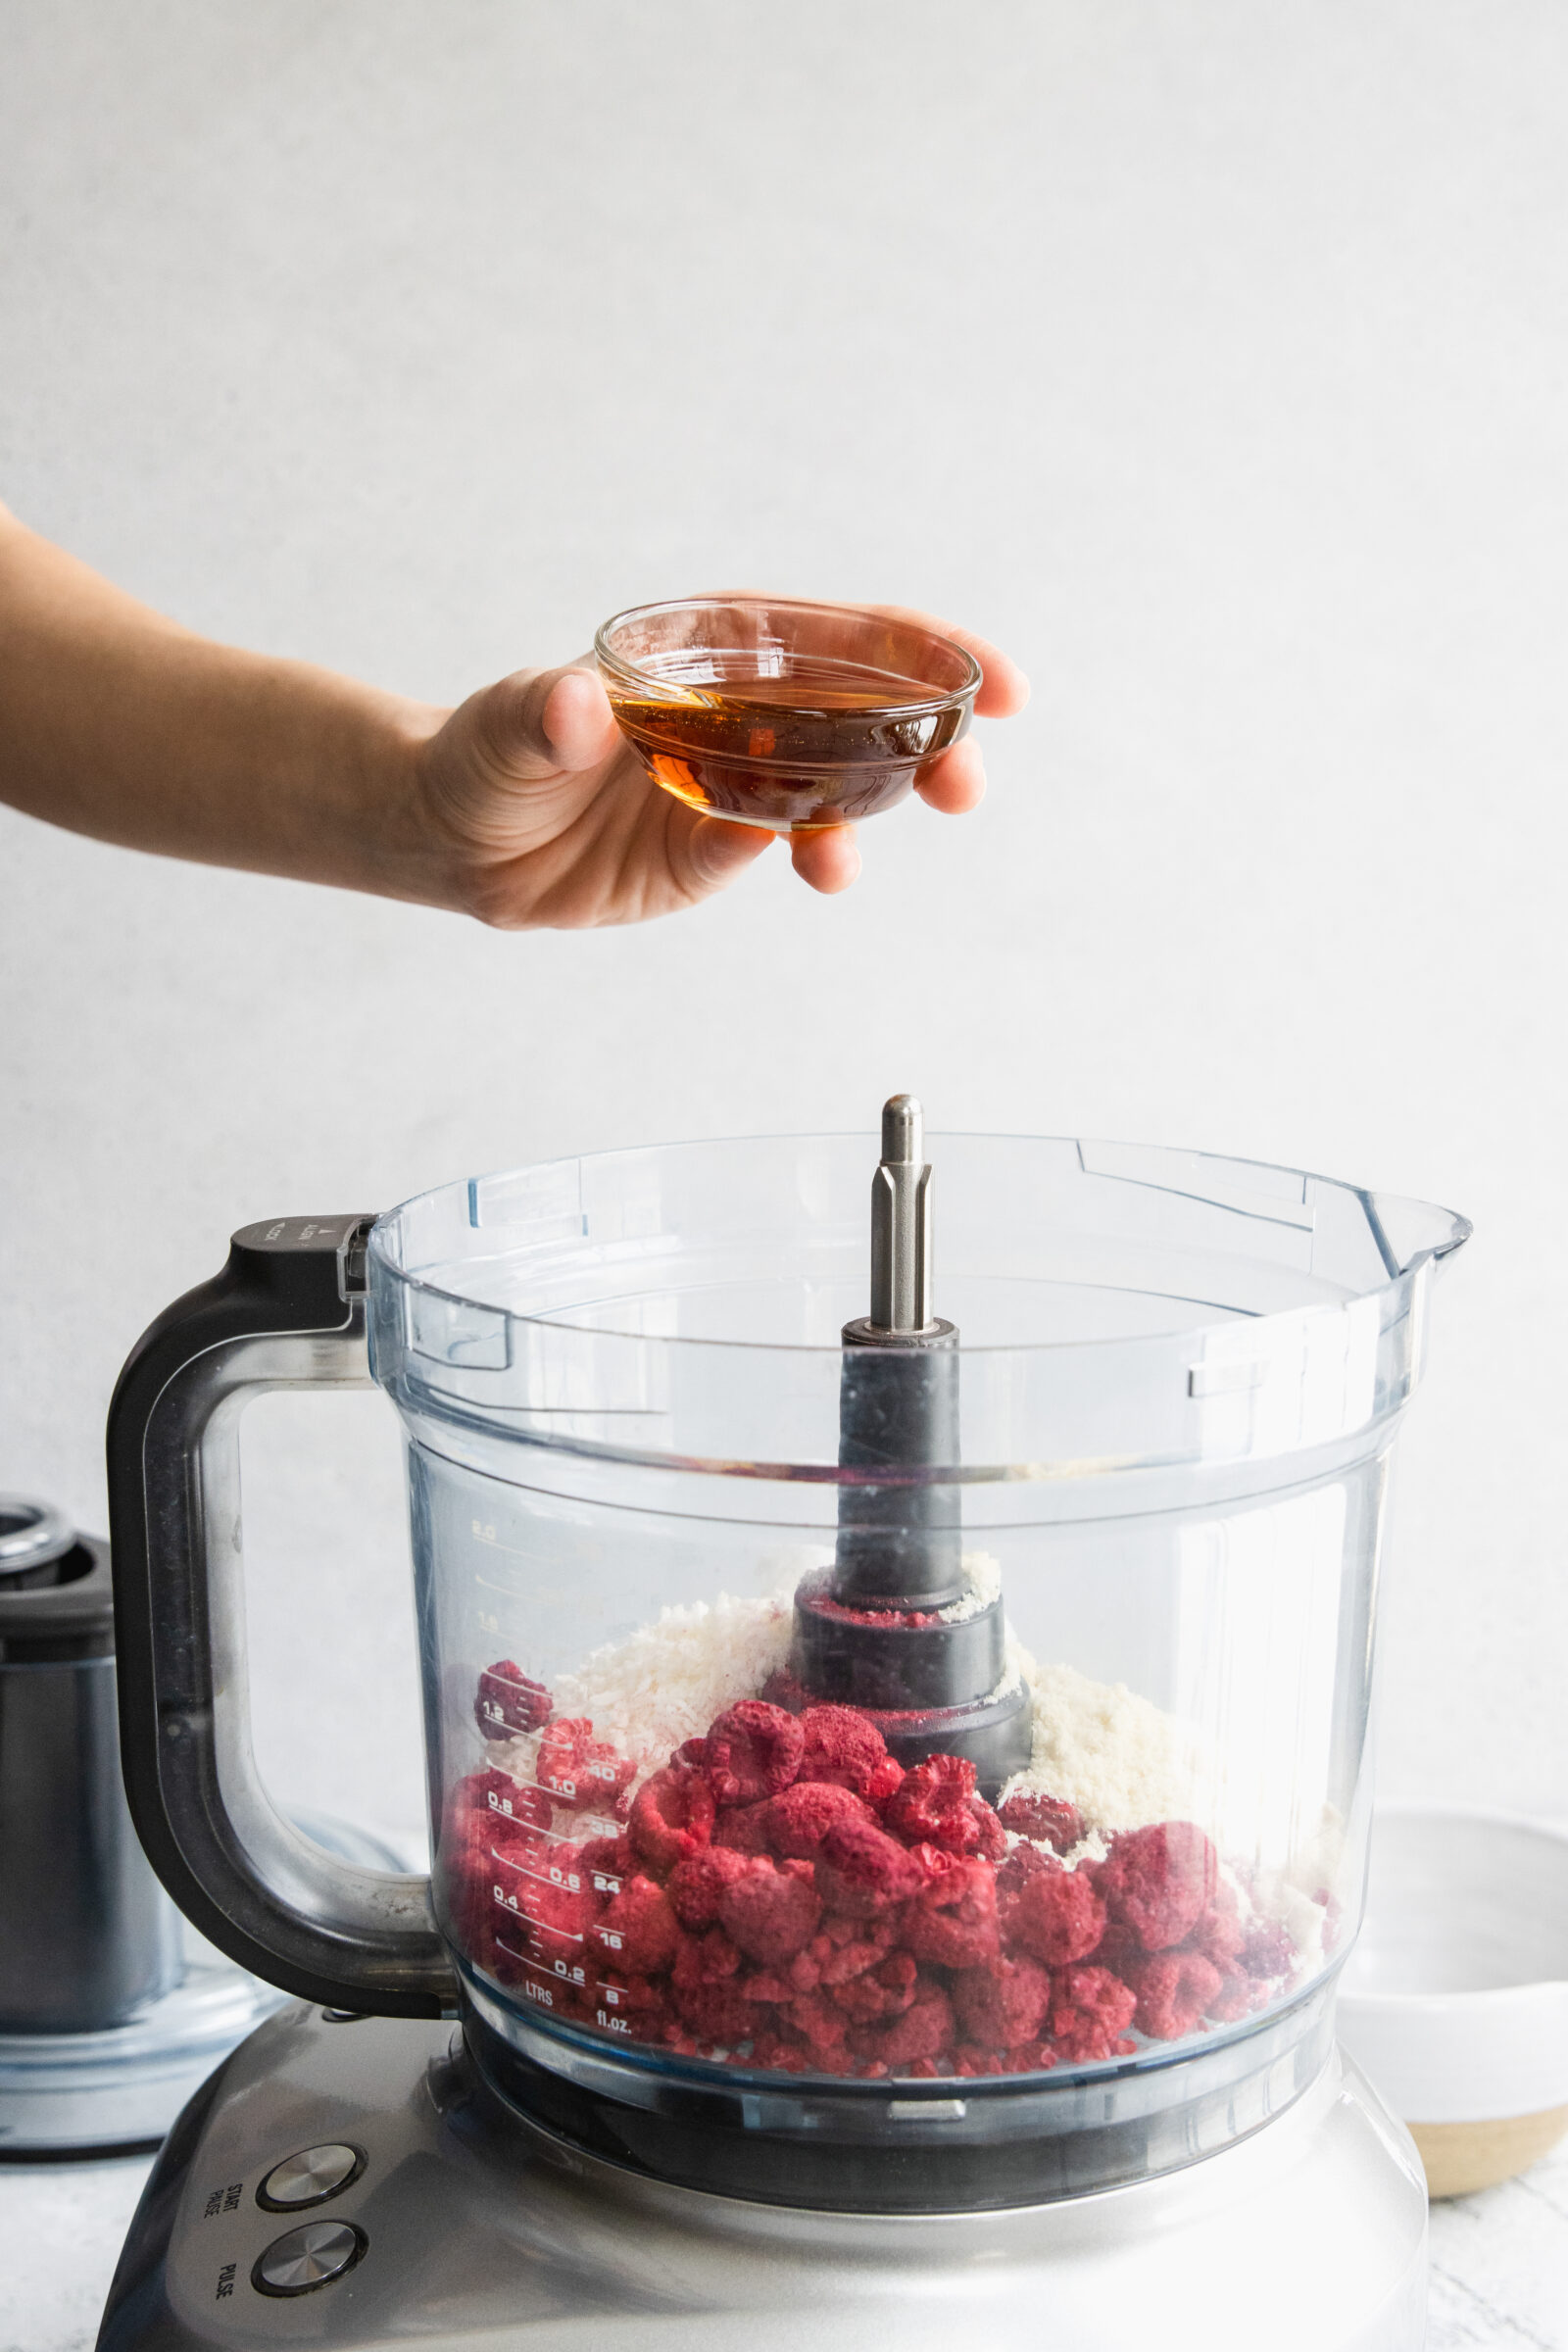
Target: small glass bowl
774, 713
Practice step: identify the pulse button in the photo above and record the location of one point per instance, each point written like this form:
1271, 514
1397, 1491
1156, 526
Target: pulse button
311, 2256
311, 2177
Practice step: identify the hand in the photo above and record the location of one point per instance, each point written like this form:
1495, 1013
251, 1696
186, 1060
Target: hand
523, 806
542, 815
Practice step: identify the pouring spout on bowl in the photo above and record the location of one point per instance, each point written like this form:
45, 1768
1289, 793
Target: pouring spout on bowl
1408, 1233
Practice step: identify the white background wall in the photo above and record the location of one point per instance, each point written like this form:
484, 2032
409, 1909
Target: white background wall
1212, 358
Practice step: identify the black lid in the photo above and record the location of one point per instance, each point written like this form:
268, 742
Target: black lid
56, 1591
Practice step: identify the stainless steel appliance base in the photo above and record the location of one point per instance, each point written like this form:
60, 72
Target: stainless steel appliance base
342, 2183
65, 2095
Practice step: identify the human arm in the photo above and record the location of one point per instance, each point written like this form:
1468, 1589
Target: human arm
522, 807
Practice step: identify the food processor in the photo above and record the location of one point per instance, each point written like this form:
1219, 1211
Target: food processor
112, 2011
897, 1677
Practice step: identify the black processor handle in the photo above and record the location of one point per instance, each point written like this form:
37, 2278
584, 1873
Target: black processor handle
286, 1313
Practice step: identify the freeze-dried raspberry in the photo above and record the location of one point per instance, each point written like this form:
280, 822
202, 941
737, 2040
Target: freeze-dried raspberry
785, 1689
992, 1842
1159, 1880
779, 2054
1268, 1951
718, 2013
1173, 1990
887, 1780
636, 1929
1333, 1918
753, 1750
1001, 2005
841, 1748
953, 1920
885, 1990
841, 1929
1057, 1916
1052, 1820
1238, 1996
932, 1861
844, 1961
770, 1913
1118, 1947
1218, 1936
867, 2003
861, 1870
744, 1829
468, 1873
672, 1816
800, 1819
1024, 1861
706, 1959
491, 1830
819, 2024
768, 1985
579, 1770
630, 2005
560, 1745
559, 1909
1090, 2012
509, 1703
1034, 2056
608, 1862
924, 2029
969, 2060
931, 1808
506, 1800
695, 1885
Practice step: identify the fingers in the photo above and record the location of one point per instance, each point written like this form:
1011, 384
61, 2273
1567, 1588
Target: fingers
955, 782
828, 860
717, 851
546, 724
1004, 689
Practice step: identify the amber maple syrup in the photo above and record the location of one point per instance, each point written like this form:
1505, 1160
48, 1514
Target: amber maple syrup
823, 742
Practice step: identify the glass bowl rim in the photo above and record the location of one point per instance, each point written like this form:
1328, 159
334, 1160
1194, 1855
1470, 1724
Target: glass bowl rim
630, 673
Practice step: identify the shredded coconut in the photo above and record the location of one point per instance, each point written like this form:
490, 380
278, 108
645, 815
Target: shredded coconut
666, 1683
983, 1574
1119, 1759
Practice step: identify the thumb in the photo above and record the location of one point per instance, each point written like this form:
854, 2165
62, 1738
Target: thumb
544, 723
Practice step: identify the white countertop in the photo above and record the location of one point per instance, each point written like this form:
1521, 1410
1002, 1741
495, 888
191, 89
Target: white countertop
1499, 2260
1499, 2265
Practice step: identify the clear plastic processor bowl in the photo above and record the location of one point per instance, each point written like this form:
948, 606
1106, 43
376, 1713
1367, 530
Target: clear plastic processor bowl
674, 1886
